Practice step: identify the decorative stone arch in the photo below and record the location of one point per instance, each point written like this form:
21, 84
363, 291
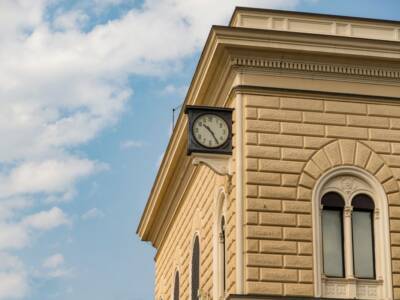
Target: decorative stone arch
220, 211
345, 153
346, 157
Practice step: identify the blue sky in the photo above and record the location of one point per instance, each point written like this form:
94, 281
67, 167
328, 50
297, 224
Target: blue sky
86, 96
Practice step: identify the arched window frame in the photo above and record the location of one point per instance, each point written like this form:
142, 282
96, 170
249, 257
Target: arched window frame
195, 237
380, 231
219, 253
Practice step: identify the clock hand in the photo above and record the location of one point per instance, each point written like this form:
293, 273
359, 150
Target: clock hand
212, 133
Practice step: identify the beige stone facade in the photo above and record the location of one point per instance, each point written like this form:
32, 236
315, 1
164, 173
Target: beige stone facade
312, 95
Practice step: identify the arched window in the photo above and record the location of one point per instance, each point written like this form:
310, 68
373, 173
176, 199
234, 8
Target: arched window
176, 286
351, 236
363, 237
196, 269
223, 253
332, 234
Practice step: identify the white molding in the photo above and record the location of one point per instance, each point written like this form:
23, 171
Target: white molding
348, 287
315, 67
239, 195
220, 198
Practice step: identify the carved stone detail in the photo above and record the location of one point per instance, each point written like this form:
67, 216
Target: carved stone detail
353, 70
347, 211
348, 184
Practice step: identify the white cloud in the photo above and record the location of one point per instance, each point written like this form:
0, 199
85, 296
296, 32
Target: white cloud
173, 89
53, 261
63, 79
130, 144
48, 176
54, 267
13, 277
46, 220
13, 236
93, 213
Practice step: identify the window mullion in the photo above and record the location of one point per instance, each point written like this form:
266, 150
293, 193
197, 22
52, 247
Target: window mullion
348, 251
348, 243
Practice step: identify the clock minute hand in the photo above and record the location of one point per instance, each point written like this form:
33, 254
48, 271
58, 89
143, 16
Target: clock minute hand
212, 133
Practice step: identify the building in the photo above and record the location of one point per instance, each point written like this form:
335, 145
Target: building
308, 203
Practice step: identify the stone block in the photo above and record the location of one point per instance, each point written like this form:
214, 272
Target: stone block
252, 274
297, 234
324, 118
306, 276
268, 288
346, 107
302, 104
262, 126
385, 135
281, 166
297, 207
305, 248
279, 115
263, 232
280, 275
304, 221
261, 101
264, 260
368, 121
263, 178
275, 192
346, 132
277, 219
290, 179
311, 142
347, 149
263, 152
297, 154
303, 129
278, 247
298, 262
383, 110
280, 140
264, 204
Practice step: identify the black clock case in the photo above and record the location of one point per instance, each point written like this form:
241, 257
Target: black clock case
193, 112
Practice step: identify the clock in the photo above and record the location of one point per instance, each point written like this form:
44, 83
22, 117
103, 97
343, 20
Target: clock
210, 129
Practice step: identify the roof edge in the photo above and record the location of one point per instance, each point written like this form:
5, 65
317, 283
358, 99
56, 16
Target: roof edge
309, 14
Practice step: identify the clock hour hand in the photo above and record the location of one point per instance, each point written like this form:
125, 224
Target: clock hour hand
212, 133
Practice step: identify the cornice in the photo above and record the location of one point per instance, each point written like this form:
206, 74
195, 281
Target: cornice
315, 67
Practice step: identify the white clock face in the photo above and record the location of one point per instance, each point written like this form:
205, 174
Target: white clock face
210, 130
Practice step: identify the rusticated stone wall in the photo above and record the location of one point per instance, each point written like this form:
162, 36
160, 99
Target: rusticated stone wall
290, 142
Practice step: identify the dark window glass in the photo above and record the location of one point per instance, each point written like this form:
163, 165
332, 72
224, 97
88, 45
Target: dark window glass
224, 253
332, 234
363, 202
332, 200
196, 269
363, 238
176, 286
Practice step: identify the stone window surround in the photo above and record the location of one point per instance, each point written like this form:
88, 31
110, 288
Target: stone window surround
349, 287
218, 263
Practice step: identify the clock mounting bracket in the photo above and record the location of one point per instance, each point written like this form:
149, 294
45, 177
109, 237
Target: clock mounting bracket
220, 164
